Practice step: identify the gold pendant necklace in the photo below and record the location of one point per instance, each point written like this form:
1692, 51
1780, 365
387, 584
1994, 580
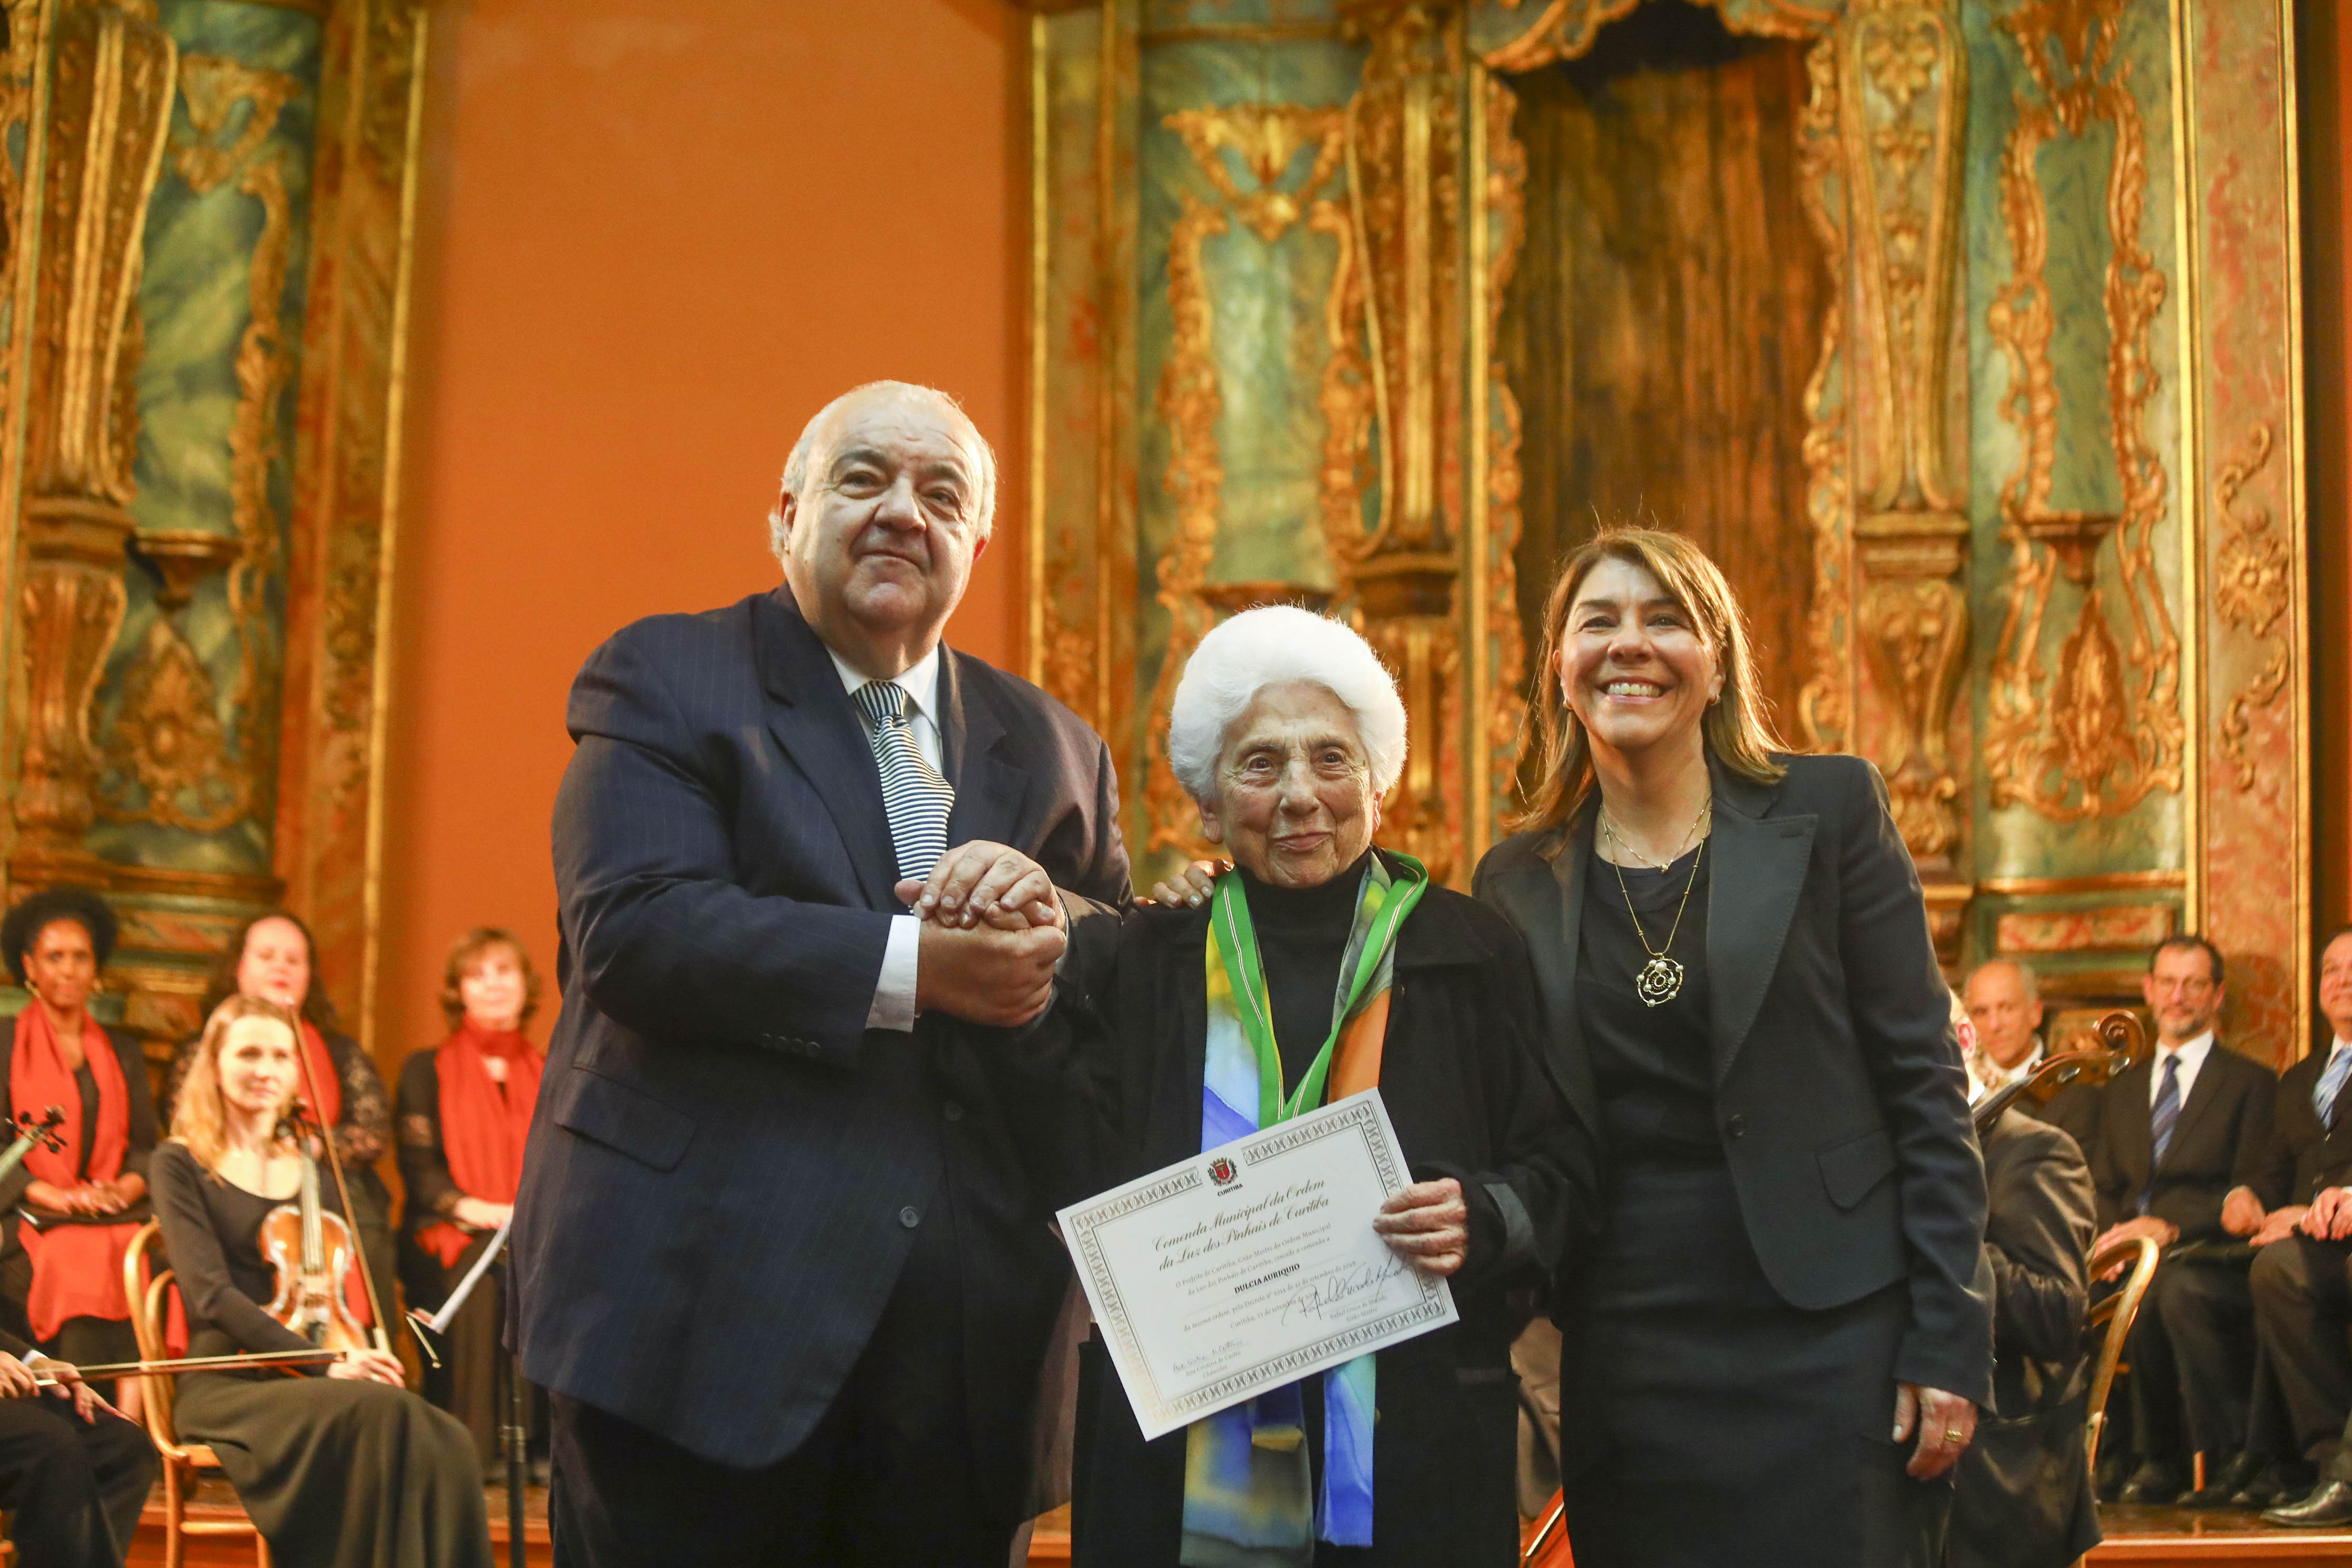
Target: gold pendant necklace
1660, 980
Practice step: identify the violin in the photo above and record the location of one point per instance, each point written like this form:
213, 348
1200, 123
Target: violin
312, 1253
31, 1134
2121, 1038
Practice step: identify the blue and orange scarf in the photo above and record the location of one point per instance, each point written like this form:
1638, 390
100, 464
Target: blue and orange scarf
1247, 1476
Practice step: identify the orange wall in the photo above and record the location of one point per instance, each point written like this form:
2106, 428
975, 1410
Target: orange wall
654, 237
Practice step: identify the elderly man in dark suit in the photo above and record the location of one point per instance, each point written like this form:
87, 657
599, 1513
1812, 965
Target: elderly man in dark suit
777, 1259
2024, 1493
2004, 1006
2177, 1132
2298, 1210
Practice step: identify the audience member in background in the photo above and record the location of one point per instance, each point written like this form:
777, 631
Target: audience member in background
74, 1209
464, 1112
2302, 1297
2004, 1003
73, 1473
2023, 1495
272, 959
344, 1470
2177, 1132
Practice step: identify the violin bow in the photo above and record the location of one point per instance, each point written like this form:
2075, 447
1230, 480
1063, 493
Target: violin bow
343, 1193
289, 1361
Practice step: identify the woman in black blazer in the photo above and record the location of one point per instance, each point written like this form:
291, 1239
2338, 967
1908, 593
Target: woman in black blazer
1740, 991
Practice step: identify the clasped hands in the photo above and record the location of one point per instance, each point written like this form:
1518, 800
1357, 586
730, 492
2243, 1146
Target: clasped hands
88, 1197
993, 929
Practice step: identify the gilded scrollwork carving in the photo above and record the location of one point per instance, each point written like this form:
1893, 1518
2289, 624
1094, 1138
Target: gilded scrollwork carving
1505, 198
109, 102
2254, 581
2103, 729
1916, 631
1267, 139
1564, 29
1824, 705
167, 738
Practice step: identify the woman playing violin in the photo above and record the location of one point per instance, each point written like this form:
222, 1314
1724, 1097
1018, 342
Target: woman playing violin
464, 1112
349, 1468
80, 1202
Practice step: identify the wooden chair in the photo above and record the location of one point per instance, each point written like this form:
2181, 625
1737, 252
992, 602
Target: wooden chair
182, 1462
2118, 1312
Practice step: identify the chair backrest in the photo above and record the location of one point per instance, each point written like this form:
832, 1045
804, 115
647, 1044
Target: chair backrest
2118, 1312
147, 1298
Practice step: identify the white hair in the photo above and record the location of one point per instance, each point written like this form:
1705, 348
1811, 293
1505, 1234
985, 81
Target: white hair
796, 467
1268, 647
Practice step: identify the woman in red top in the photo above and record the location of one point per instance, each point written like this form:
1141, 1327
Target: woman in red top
463, 1113
73, 1209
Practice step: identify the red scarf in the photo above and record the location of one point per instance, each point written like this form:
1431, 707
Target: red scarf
76, 1268
319, 1065
483, 1123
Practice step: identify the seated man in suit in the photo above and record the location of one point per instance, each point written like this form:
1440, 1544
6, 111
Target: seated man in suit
2177, 1132
2004, 1007
73, 1472
2023, 1493
778, 1261
2298, 1210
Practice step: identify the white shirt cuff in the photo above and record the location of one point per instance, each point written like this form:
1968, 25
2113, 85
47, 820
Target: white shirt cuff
894, 990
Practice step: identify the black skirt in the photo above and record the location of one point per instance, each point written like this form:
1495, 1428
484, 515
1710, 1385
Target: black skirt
1705, 1421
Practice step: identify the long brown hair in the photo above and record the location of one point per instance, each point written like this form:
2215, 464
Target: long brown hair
1737, 731
199, 1119
468, 951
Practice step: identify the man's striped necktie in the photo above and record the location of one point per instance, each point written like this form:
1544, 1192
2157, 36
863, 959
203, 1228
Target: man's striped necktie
2161, 1120
915, 797
2331, 1082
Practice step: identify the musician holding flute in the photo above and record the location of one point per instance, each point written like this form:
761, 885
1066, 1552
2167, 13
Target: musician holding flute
350, 1468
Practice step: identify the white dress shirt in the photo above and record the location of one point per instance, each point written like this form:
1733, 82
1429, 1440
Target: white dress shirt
2193, 1054
2002, 1077
894, 989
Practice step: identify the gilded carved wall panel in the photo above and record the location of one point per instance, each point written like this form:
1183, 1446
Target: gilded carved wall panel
211, 648
2060, 612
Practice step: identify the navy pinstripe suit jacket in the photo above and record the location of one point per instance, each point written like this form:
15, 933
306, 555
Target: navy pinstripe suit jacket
714, 1203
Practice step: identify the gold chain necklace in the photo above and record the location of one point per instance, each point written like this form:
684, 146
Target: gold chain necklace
1660, 980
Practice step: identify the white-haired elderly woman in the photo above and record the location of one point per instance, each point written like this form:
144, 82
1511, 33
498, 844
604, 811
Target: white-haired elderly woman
1287, 731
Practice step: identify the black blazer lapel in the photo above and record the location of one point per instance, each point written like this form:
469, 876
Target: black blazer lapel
2128, 1134
1752, 891
813, 720
1556, 926
989, 790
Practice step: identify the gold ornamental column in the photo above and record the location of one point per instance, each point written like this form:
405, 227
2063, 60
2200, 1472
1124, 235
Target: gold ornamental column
111, 100
1405, 165
1903, 112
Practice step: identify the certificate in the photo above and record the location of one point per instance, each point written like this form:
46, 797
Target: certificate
1252, 1265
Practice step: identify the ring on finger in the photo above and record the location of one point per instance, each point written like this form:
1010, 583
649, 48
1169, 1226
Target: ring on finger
1953, 1435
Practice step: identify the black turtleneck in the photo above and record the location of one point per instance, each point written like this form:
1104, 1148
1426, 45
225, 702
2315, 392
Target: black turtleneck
1302, 935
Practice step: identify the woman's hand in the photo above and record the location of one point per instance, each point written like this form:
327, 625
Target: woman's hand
1946, 1423
1191, 885
480, 1214
370, 1366
982, 881
1428, 1226
49, 1195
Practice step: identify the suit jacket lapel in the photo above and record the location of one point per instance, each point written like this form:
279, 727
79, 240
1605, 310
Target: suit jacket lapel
813, 720
1559, 927
2132, 1134
1752, 891
989, 790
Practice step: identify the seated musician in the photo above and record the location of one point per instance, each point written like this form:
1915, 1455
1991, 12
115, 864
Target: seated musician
464, 1112
347, 1470
79, 1204
2023, 1497
73, 1473
1288, 733
271, 958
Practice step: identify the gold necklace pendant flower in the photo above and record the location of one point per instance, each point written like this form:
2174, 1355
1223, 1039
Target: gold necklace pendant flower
1660, 981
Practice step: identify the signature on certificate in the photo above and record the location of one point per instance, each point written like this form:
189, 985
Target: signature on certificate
1342, 1285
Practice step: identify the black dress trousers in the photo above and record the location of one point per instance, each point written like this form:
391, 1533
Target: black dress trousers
74, 1486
